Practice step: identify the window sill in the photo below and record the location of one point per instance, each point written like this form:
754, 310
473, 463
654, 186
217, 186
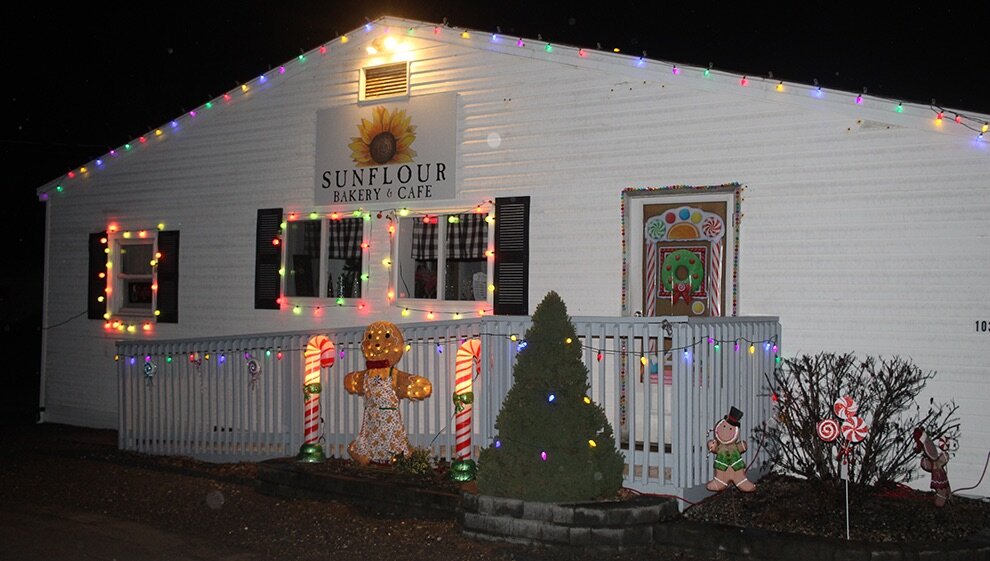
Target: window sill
427, 304
134, 315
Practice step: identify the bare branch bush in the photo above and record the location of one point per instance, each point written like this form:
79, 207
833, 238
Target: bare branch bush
886, 390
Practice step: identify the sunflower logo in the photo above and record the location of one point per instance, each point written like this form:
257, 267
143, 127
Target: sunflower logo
386, 139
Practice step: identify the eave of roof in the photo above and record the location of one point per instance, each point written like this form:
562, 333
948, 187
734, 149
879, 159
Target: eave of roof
927, 116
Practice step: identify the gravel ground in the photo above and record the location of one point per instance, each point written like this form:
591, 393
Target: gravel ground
894, 514
56, 466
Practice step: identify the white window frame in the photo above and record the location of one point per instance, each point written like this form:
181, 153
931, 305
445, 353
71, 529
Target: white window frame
117, 279
440, 304
322, 299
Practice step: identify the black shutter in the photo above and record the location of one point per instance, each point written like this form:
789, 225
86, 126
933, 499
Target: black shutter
97, 285
268, 260
168, 277
512, 256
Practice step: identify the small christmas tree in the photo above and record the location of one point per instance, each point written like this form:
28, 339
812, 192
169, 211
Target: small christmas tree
554, 443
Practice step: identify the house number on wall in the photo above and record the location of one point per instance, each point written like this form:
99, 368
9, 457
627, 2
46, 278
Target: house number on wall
982, 326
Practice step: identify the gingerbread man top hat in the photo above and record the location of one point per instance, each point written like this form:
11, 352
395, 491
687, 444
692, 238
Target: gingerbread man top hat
733, 417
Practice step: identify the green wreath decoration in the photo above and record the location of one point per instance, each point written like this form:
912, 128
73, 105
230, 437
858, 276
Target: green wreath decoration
676, 259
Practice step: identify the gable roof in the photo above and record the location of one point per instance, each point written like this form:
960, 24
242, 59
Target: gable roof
873, 110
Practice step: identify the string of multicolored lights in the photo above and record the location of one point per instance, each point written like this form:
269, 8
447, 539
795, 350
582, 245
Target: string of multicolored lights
429, 217
978, 124
123, 325
440, 343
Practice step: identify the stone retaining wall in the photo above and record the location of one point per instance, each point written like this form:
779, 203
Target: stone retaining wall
608, 525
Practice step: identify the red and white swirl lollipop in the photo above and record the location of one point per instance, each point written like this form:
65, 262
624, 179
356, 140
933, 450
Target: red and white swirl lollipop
828, 430
845, 407
712, 227
854, 429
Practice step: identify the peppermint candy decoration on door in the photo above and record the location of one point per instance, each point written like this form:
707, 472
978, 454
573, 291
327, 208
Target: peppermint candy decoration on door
845, 407
712, 227
828, 430
854, 429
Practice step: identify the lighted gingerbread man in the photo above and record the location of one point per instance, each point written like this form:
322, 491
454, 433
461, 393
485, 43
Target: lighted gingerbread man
383, 434
730, 469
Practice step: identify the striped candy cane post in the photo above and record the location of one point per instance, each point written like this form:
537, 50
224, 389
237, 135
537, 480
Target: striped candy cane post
466, 366
650, 309
715, 279
319, 353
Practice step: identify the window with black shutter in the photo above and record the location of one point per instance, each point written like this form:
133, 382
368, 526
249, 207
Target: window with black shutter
134, 277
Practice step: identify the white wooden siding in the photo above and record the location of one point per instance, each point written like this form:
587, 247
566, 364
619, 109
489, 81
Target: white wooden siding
860, 238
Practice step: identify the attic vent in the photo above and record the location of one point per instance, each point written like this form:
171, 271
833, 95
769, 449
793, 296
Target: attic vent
389, 80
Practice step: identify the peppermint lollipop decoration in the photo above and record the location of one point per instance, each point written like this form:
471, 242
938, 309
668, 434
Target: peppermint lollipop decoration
828, 430
845, 407
253, 368
854, 429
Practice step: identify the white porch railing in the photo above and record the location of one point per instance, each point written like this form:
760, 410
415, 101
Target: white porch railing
198, 397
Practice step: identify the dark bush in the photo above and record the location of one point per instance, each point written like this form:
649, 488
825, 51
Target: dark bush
886, 391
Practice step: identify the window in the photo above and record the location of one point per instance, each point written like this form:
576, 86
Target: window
324, 258
134, 275
444, 257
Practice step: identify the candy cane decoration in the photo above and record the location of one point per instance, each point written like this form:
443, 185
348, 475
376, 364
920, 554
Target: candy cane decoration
715, 279
651, 279
466, 365
651, 295
319, 353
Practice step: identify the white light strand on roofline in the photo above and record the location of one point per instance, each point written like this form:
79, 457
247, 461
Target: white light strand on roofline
246, 89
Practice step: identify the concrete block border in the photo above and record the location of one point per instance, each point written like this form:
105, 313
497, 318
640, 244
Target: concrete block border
593, 524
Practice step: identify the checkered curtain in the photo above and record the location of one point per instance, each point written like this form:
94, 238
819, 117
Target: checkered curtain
468, 237
345, 238
311, 237
424, 241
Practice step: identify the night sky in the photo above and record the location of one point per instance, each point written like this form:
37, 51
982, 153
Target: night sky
81, 80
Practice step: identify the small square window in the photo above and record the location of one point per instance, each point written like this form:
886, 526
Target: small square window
132, 287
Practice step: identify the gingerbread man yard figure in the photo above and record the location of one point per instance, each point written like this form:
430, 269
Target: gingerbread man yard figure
933, 460
730, 469
383, 434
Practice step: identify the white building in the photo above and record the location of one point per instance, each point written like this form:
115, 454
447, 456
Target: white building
860, 222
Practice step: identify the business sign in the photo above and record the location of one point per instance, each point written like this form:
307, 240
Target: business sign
399, 151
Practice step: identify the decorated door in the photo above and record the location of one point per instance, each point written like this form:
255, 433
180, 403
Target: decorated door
680, 244
684, 254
